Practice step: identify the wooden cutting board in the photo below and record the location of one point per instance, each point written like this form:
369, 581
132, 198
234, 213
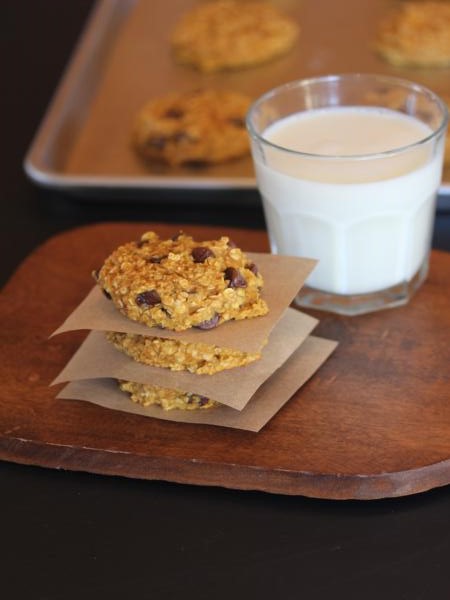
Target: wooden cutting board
373, 422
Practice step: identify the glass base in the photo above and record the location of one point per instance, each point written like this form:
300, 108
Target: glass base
359, 304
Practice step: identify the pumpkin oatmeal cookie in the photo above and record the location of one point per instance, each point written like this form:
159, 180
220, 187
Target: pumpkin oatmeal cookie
148, 395
176, 355
228, 34
416, 34
180, 283
193, 128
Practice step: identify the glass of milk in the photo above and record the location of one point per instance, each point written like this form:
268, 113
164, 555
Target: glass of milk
348, 167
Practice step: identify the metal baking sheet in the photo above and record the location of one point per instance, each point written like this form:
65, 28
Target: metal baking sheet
123, 59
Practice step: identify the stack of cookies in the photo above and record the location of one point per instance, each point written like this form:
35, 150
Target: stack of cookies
178, 284
182, 327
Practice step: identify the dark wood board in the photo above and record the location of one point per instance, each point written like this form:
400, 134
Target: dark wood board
373, 422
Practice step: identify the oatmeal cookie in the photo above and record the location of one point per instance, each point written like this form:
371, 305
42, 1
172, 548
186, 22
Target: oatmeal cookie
228, 34
193, 128
180, 283
416, 34
168, 399
176, 355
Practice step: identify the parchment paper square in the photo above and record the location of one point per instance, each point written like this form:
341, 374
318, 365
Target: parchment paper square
283, 278
98, 358
266, 402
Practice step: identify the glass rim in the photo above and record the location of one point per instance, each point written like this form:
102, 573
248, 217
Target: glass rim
298, 83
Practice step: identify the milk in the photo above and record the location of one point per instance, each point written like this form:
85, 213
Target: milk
367, 219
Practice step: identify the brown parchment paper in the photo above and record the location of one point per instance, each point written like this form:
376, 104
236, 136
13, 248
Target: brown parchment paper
283, 278
266, 402
98, 358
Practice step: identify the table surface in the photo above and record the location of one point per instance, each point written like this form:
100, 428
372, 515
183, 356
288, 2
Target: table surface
69, 535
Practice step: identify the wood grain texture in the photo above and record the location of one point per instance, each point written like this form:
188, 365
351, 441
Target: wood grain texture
373, 422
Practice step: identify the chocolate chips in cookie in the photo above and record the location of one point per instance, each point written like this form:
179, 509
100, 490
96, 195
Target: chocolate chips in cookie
178, 355
194, 128
168, 399
180, 283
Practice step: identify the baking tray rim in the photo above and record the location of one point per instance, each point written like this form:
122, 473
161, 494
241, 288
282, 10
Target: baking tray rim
49, 178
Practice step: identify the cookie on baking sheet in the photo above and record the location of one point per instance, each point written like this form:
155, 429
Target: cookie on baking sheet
180, 283
168, 399
193, 128
176, 355
416, 34
231, 34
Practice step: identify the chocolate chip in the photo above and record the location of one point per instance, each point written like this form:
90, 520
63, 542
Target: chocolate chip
196, 163
198, 399
235, 278
253, 268
210, 324
176, 236
156, 259
107, 294
141, 243
237, 122
201, 253
148, 299
182, 136
174, 113
157, 142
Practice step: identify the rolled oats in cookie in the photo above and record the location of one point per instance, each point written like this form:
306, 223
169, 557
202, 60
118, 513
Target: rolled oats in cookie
231, 34
416, 34
194, 128
176, 355
181, 283
168, 399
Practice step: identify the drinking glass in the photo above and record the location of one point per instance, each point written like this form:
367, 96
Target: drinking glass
366, 216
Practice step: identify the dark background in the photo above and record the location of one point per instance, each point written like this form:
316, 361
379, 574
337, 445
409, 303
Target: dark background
71, 535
